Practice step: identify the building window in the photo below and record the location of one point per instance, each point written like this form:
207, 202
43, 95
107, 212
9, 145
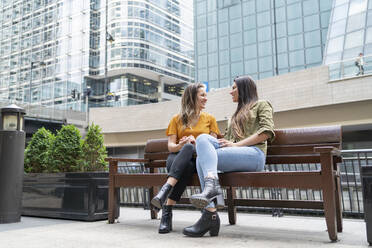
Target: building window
311, 23
354, 39
266, 63
296, 58
313, 55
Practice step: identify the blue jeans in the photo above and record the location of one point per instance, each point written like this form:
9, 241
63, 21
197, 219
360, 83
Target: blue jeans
212, 158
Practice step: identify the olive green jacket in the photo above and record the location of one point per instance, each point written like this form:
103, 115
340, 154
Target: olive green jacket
260, 121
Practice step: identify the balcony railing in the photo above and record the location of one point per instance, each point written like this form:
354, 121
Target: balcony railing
352, 200
50, 113
348, 69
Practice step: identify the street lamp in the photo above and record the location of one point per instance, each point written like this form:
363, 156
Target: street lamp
86, 94
41, 63
12, 118
108, 37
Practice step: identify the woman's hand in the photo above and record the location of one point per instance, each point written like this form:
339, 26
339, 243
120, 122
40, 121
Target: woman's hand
187, 140
192, 139
226, 143
183, 140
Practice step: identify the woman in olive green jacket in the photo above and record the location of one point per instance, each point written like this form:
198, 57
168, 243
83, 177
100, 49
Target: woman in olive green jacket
242, 149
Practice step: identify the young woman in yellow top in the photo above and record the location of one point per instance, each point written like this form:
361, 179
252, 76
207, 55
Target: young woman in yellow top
242, 149
182, 132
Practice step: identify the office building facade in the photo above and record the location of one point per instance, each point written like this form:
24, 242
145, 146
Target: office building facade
63, 44
264, 38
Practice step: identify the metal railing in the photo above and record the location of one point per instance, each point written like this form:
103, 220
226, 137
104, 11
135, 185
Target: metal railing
352, 200
348, 69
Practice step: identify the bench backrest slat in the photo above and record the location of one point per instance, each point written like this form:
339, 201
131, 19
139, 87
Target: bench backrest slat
156, 145
309, 135
156, 155
292, 145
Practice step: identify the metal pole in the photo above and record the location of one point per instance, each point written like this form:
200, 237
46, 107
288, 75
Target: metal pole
32, 65
276, 41
105, 84
42, 79
87, 108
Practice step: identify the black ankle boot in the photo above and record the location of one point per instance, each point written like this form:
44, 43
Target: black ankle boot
166, 219
212, 191
162, 196
209, 221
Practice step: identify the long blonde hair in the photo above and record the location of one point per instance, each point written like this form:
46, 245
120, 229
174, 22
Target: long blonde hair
247, 96
189, 104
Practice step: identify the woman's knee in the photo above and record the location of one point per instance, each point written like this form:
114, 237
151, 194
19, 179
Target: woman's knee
188, 147
202, 138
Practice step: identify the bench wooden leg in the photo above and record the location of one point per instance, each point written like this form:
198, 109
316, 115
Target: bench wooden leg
231, 195
329, 196
330, 213
153, 211
112, 199
338, 202
152, 192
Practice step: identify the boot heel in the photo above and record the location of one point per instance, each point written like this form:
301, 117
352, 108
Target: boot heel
214, 230
166, 219
220, 201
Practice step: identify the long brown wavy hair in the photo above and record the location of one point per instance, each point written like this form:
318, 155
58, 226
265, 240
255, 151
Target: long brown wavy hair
189, 104
247, 96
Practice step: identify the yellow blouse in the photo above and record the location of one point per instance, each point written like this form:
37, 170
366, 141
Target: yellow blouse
206, 124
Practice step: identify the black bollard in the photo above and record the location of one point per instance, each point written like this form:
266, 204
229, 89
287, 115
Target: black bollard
12, 145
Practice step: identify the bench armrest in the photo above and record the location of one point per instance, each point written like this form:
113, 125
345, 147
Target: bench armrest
133, 160
328, 149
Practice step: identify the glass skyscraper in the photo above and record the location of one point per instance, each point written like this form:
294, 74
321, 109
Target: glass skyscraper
261, 38
151, 57
62, 44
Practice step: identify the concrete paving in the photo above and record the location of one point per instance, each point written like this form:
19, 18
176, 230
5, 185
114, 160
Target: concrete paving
136, 229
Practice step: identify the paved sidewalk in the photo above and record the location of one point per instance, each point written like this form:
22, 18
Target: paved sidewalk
136, 229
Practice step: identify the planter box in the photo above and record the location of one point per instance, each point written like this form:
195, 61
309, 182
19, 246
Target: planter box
74, 196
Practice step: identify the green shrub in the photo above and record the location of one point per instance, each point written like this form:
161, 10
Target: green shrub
94, 152
65, 152
36, 153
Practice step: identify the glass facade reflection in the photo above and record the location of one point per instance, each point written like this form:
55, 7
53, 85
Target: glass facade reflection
350, 34
155, 38
261, 38
50, 48
127, 89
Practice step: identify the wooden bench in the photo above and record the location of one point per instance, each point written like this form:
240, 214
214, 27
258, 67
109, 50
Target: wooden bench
291, 146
